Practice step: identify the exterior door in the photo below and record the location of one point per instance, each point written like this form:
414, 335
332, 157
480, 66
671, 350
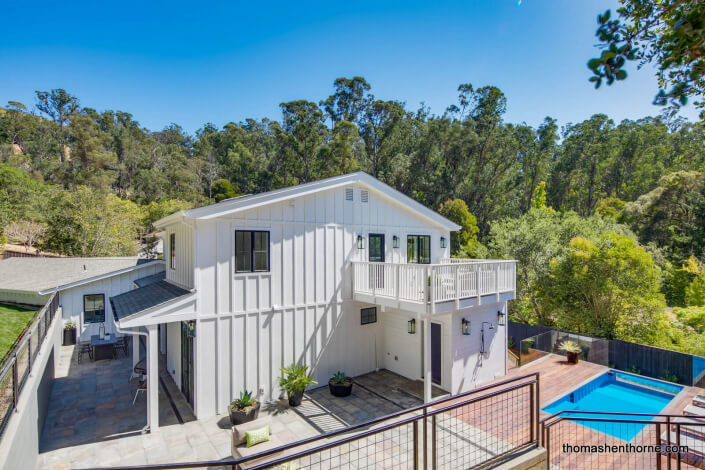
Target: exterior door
376, 254
188, 333
436, 353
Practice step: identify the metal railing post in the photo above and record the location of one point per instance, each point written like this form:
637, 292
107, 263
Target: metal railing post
678, 445
532, 428
659, 456
425, 437
15, 384
668, 441
537, 404
416, 445
434, 450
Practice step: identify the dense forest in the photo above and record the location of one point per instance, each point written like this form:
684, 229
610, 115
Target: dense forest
605, 218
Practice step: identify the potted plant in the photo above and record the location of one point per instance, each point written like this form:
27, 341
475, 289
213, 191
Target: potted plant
243, 409
69, 333
340, 385
295, 379
572, 350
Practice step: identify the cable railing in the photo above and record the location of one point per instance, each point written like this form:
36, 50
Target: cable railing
431, 283
587, 440
19, 362
478, 428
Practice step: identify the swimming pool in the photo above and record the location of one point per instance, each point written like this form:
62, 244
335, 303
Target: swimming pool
614, 393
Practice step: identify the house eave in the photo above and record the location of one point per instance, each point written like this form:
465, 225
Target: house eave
99, 277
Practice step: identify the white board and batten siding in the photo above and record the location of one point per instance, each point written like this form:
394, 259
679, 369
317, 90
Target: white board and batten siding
182, 272
251, 324
72, 299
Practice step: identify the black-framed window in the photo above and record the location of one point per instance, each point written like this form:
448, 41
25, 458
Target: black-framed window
172, 251
251, 251
94, 308
368, 315
418, 249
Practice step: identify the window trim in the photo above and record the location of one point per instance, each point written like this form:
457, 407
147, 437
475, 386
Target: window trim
362, 322
172, 251
84, 309
252, 251
430, 238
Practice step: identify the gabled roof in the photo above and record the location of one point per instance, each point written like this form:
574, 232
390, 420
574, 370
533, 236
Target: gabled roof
143, 298
46, 275
238, 204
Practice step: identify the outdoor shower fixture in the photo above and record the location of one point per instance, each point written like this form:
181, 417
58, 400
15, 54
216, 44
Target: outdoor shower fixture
482, 333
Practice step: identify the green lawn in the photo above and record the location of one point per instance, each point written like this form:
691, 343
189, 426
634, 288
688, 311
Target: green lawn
13, 320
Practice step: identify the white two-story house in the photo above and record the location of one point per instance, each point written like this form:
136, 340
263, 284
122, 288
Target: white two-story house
342, 274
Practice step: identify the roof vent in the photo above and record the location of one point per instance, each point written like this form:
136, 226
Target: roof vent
364, 196
348, 194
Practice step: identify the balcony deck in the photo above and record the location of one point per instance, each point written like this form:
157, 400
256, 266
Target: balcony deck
434, 288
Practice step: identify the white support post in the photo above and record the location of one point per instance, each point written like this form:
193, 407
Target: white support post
153, 378
433, 290
135, 350
457, 287
427, 391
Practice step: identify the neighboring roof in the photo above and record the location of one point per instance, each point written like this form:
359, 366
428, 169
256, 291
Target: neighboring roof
145, 281
238, 204
144, 298
45, 275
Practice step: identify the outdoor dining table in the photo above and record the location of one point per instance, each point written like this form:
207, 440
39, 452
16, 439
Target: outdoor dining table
103, 348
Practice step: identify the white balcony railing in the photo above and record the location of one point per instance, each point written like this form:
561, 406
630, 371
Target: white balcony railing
451, 280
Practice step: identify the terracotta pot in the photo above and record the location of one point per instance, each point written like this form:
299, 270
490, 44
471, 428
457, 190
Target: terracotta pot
295, 398
243, 416
572, 357
340, 390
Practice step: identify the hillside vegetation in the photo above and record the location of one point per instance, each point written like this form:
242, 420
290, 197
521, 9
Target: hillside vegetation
605, 218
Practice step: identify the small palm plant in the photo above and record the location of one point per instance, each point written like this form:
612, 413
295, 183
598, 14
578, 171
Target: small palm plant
572, 350
340, 378
294, 380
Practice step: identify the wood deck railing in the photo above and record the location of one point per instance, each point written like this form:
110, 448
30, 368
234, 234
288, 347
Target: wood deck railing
448, 281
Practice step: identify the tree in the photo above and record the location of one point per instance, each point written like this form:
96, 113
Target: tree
464, 241
349, 101
695, 291
608, 289
26, 232
668, 33
303, 133
91, 223
223, 189
58, 105
15, 123
538, 200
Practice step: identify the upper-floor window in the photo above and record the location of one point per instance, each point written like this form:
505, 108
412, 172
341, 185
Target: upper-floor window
251, 251
172, 251
418, 249
94, 308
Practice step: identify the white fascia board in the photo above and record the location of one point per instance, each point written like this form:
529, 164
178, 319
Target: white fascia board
100, 277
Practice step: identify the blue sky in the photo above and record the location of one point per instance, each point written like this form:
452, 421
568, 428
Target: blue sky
198, 62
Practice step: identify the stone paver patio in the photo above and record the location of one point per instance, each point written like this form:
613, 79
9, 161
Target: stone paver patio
91, 421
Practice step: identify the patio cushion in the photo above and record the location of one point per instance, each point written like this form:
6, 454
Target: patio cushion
257, 436
240, 431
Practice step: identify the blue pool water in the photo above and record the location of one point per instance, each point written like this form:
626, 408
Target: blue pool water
614, 393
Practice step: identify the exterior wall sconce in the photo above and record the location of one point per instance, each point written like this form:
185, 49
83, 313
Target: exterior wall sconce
360, 242
465, 326
395, 242
443, 242
411, 325
500, 318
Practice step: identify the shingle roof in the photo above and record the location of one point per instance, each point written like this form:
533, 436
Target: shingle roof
42, 274
144, 298
145, 281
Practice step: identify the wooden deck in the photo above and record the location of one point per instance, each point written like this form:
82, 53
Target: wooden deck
557, 377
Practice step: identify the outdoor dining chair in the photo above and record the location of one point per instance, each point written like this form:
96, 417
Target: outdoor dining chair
120, 345
84, 347
141, 387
